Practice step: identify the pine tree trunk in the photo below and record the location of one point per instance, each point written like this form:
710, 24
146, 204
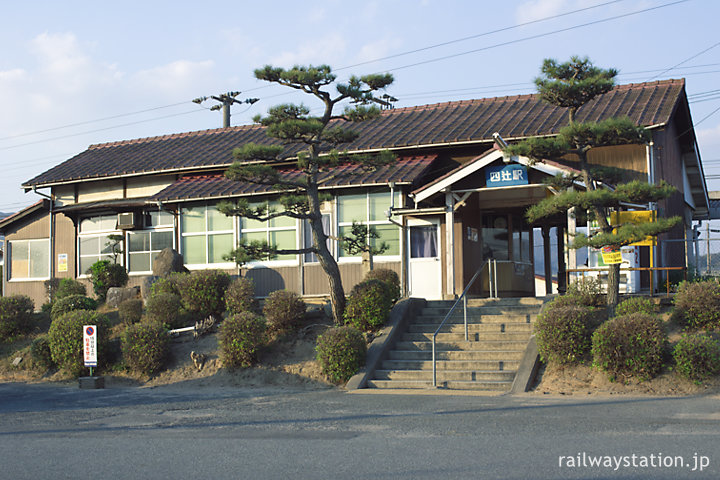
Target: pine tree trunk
613, 291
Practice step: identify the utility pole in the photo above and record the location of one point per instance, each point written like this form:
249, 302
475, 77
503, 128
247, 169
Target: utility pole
226, 101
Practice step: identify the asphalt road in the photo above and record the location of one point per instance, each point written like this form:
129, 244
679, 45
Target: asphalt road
56, 432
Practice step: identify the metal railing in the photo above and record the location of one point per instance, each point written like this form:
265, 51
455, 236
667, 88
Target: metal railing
492, 272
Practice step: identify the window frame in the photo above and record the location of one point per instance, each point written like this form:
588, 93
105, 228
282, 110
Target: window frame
206, 233
268, 230
9, 274
101, 232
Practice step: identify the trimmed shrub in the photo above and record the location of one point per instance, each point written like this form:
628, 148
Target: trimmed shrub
165, 308
168, 284
630, 345
145, 347
283, 310
40, 353
636, 305
368, 306
697, 357
71, 303
240, 296
130, 310
66, 339
51, 286
563, 332
390, 278
588, 291
341, 352
698, 304
240, 338
105, 274
16, 314
202, 292
67, 287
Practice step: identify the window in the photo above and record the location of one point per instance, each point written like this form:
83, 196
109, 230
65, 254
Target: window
144, 245
308, 241
369, 209
280, 231
94, 242
29, 259
207, 235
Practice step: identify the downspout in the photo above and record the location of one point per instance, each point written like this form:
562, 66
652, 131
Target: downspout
52, 230
650, 155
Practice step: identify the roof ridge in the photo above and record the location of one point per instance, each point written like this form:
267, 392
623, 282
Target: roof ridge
196, 133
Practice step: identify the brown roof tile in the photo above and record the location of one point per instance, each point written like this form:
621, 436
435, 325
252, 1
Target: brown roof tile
444, 123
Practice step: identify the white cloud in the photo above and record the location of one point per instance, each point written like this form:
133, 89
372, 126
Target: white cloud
175, 78
378, 49
709, 142
328, 49
537, 9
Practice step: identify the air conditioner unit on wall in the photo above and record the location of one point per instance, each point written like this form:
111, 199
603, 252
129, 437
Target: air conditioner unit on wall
127, 221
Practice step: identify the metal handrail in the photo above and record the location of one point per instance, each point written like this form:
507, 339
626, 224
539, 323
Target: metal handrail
492, 282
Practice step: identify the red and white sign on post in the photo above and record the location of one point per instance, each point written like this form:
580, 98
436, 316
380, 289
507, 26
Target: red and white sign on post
90, 345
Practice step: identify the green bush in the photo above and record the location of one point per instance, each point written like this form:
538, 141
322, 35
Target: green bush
562, 332
145, 347
389, 277
588, 291
636, 305
168, 284
341, 352
51, 286
630, 345
240, 338
166, 308
67, 287
698, 304
66, 339
71, 303
697, 357
202, 292
283, 310
240, 296
368, 306
130, 310
40, 353
104, 274
16, 314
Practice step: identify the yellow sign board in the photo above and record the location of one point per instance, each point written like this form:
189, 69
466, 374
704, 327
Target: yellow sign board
636, 217
611, 255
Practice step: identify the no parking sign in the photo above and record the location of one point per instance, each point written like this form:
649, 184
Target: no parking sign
90, 345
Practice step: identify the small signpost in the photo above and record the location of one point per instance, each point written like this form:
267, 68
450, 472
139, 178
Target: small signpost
611, 255
90, 357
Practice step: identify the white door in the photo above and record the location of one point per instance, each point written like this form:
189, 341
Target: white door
425, 274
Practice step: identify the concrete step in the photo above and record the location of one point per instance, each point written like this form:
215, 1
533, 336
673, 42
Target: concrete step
496, 365
446, 375
502, 386
478, 302
472, 337
524, 327
463, 355
485, 310
463, 346
426, 317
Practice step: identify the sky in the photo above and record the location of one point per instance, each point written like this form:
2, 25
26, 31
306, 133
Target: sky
76, 73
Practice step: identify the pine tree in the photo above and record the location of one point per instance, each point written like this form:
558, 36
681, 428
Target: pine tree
319, 136
571, 85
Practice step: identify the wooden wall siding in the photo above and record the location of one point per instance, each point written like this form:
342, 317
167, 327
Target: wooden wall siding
34, 227
35, 290
65, 243
631, 159
315, 281
147, 186
268, 280
102, 190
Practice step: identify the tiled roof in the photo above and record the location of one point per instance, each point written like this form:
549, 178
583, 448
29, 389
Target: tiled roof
192, 187
460, 122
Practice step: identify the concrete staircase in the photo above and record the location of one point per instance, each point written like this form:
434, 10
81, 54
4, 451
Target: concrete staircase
498, 333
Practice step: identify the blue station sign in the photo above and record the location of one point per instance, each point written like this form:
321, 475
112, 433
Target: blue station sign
506, 176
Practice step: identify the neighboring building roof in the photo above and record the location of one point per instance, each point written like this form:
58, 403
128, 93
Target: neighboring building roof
35, 207
451, 123
194, 187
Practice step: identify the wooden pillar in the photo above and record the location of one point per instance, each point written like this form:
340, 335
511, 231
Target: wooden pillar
450, 243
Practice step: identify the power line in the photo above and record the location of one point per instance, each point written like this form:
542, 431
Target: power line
686, 60
533, 37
